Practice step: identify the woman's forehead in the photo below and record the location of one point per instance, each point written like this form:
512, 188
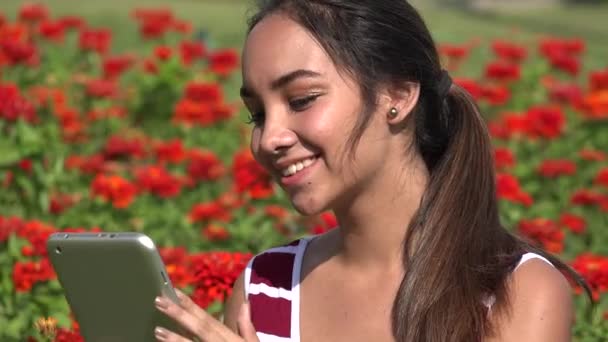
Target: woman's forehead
278, 45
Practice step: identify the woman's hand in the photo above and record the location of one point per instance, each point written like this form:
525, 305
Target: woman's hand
201, 325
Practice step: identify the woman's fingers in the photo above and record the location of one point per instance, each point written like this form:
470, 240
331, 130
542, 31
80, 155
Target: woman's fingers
246, 328
165, 335
194, 319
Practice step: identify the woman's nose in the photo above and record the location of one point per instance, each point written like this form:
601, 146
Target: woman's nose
277, 137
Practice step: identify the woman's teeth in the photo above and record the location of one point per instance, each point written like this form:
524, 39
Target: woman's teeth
295, 167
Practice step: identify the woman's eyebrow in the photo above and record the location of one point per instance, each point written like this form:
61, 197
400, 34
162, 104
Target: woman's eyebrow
283, 80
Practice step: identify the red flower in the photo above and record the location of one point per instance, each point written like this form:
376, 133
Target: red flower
118, 147
549, 46
250, 177
602, 177
190, 51
64, 335
171, 151
496, 95
545, 122
508, 188
101, 88
202, 104
223, 62
565, 63
150, 67
598, 80
503, 71
509, 51
556, 168
162, 52
204, 166
544, 232
594, 269
508, 125
16, 52
215, 274
592, 155
211, 211
503, 158
563, 93
158, 181
95, 40
203, 92
471, 86
52, 30
8, 226
13, 106
116, 65
91, 165
154, 22
25, 165
33, 12
29, 273
215, 232
60, 202
586, 197
454, 51
114, 189
574, 223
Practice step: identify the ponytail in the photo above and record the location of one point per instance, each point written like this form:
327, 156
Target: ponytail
456, 252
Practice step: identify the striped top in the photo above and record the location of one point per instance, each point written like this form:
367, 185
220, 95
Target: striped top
272, 286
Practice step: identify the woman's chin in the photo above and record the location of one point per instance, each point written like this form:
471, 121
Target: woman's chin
307, 207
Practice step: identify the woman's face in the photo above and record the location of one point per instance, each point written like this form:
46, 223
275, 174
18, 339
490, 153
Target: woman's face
303, 111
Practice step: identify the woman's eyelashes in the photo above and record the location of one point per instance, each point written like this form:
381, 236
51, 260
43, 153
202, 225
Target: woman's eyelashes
300, 104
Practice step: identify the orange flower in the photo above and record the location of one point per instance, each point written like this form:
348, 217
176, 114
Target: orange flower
595, 105
114, 189
215, 232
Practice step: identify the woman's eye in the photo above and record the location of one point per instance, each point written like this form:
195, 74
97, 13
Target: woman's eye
302, 103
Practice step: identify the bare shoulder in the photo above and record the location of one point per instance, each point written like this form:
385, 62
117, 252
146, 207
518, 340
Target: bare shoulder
541, 305
234, 302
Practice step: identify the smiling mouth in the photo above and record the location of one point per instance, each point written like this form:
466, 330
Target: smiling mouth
297, 167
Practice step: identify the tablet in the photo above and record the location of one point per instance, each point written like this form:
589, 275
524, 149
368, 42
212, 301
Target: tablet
110, 281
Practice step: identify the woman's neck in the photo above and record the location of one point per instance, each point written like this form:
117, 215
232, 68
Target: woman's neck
373, 223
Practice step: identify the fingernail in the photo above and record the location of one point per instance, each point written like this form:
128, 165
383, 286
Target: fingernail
160, 333
161, 303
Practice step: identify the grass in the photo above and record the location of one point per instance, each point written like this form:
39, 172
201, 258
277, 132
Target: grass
225, 22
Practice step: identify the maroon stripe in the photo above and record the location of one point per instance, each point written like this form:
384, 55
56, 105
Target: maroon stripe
271, 315
273, 269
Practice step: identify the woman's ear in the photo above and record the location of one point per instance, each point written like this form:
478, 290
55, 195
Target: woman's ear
402, 100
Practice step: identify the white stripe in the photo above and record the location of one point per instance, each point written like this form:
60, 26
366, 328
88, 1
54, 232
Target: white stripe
247, 279
284, 249
295, 288
270, 291
529, 256
272, 338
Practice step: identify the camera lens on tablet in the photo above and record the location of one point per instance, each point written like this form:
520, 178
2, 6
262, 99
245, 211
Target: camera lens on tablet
58, 250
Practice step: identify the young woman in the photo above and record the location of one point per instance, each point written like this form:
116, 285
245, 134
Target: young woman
352, 112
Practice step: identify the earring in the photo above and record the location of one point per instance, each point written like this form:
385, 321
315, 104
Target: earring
393, 113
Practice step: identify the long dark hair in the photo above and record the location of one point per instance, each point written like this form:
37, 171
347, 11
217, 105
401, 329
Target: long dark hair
456, 252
